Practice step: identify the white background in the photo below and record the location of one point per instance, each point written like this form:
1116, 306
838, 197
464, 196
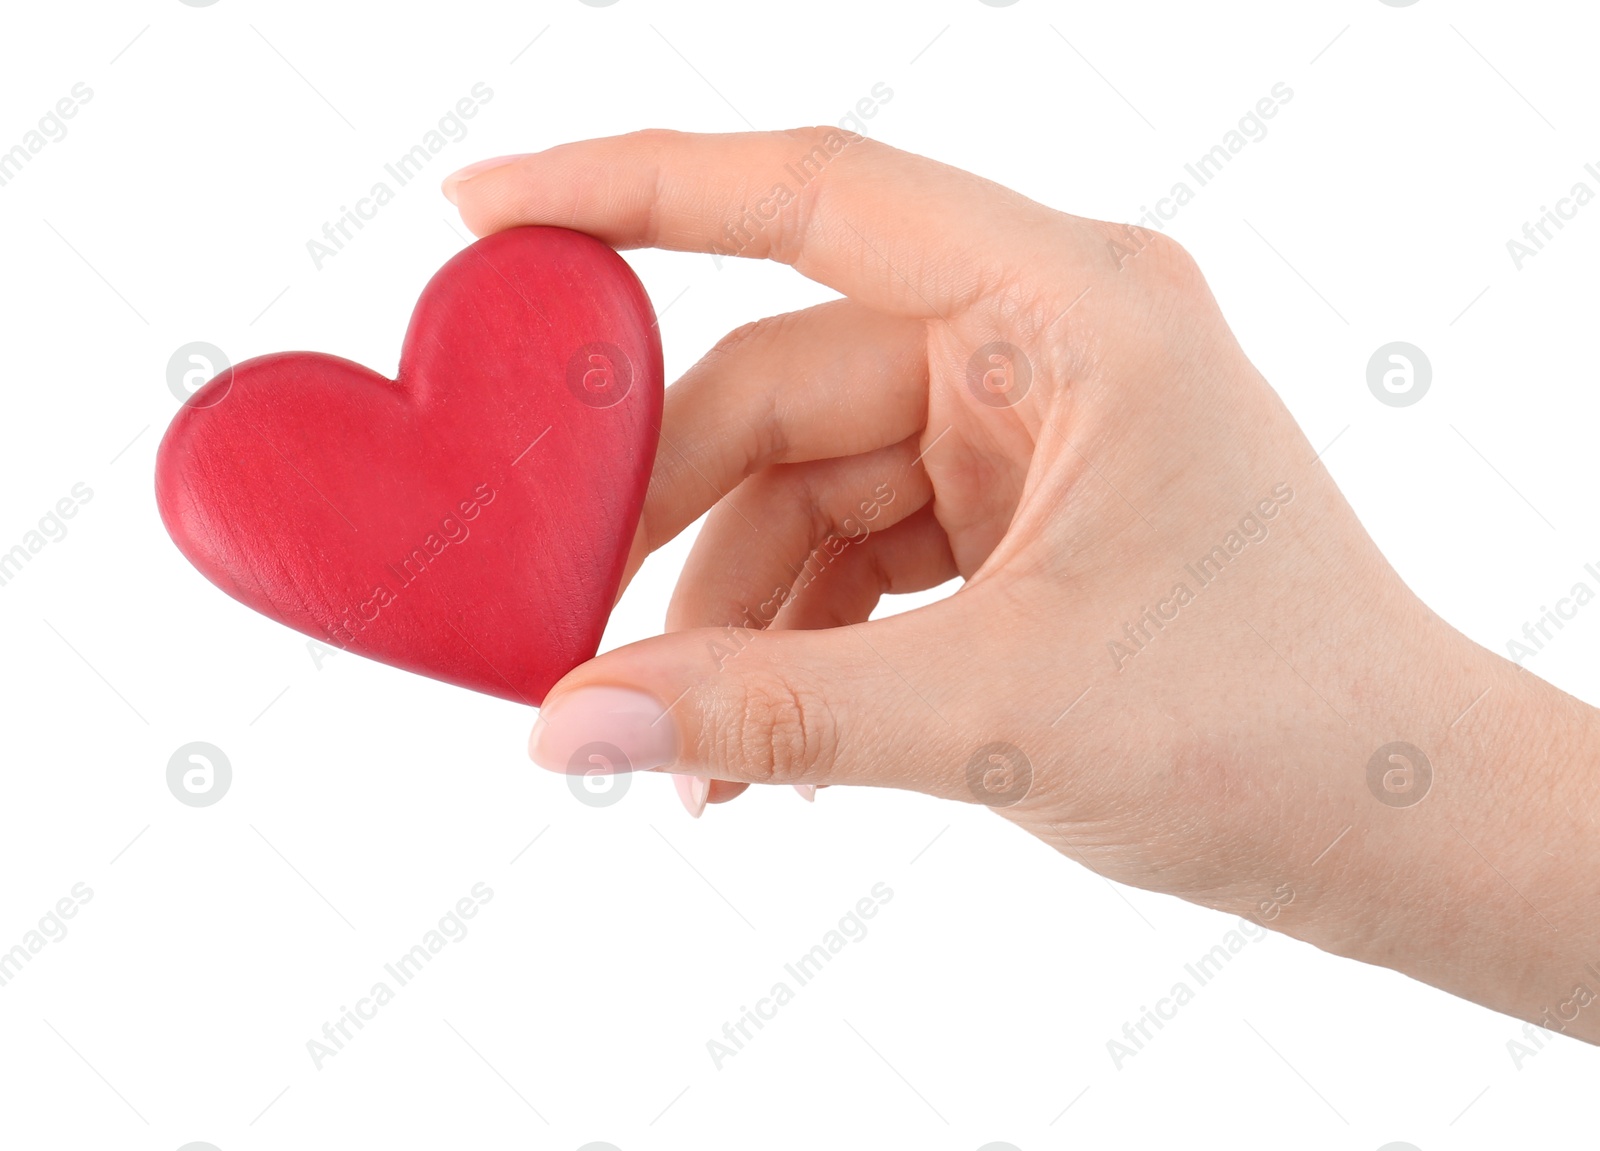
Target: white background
365, 802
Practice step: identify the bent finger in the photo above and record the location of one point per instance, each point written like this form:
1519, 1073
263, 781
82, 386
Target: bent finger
785, 526
913, 555
833, 380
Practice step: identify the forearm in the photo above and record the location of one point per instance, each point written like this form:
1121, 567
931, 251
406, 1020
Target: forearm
1485, 885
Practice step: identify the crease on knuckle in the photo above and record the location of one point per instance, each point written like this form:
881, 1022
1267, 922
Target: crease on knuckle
795, 226
727, 368
779, 731
1166, 265
750, 338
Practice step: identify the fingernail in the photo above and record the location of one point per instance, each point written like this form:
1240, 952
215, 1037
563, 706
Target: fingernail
453, 180
589, 728
808, 791
693, 791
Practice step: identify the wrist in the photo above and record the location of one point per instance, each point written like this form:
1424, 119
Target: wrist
1471, 842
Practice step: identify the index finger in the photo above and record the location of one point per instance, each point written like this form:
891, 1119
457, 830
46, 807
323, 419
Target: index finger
897, 232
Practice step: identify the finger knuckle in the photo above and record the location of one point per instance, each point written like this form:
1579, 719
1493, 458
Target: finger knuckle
743, 336
826, 155
1175, 263
779, 731
1155, 260
828, 137
656, 137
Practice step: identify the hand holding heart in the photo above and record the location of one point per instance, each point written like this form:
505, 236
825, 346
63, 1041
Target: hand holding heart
1175, 653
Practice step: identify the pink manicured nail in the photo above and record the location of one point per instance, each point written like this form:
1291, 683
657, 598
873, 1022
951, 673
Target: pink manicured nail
453, 180
603, 728
808, 791
693, 791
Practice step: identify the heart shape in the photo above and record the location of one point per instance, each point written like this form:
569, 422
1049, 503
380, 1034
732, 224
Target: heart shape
468, 520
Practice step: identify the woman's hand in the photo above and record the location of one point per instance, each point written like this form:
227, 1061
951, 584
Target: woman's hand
1177, 657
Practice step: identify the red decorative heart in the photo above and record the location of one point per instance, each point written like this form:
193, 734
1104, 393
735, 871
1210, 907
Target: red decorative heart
468, 520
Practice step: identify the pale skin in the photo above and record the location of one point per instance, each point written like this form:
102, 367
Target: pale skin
1216, 748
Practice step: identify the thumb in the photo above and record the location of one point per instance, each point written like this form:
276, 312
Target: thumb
792, 706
